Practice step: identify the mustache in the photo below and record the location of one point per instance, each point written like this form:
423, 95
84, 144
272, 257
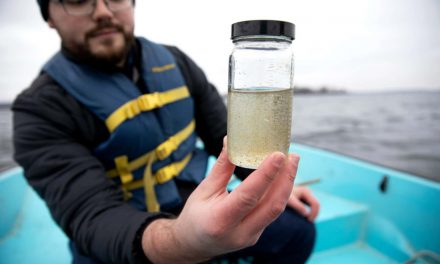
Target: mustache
104, 24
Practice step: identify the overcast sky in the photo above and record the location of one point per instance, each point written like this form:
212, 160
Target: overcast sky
363, 45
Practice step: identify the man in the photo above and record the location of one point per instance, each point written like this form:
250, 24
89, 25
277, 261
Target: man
106, 135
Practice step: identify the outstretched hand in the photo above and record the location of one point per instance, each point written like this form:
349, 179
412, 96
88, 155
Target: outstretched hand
214, 222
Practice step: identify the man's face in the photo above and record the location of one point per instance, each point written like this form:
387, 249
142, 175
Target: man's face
102, 37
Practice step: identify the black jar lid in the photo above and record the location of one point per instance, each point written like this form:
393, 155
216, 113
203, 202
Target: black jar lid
263, 27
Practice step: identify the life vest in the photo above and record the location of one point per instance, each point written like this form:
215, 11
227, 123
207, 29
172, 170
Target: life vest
152, 136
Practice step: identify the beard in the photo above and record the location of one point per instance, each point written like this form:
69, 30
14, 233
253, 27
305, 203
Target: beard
109, 53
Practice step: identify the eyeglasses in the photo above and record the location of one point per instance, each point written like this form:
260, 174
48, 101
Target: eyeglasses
86, 7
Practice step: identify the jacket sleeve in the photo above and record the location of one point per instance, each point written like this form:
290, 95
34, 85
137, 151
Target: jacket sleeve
53, 138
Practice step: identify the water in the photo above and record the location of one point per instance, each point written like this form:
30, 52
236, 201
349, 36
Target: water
397, 130
5, 138
258, 124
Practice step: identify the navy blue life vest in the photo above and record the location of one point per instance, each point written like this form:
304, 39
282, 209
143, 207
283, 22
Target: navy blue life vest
152, 138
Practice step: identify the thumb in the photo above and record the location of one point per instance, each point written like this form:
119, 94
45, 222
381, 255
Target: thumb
221, 172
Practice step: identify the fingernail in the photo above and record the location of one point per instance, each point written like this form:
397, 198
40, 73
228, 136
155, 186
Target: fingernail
279, 159
225, 143
294, 158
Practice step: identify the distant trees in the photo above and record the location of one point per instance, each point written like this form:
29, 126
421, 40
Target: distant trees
321, 90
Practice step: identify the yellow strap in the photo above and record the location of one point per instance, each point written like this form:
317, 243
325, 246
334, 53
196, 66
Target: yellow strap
127, 194
122, 169
167, 147
143, 103
163, 68
168, 172
163, 175
148, 182
161, 152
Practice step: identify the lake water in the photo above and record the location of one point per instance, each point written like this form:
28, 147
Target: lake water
5, 139
396, 130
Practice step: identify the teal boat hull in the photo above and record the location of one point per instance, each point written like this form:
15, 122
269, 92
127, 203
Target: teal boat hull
369, 214
370, 211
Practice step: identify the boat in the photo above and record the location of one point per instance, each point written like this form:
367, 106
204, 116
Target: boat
369, 214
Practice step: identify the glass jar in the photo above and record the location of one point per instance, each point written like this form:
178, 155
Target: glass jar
260, 91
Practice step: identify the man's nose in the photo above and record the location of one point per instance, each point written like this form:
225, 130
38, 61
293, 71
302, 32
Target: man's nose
101, 10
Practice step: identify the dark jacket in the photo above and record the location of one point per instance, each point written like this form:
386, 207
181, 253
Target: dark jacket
54, 136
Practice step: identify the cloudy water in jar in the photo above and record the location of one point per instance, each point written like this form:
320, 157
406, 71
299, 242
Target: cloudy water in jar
259, 123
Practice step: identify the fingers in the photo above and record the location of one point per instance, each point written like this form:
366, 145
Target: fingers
301, 196
220, 174
275, 200
298, 206
313, 204
249, 193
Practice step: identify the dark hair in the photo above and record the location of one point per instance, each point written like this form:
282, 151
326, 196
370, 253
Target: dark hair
44, 4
